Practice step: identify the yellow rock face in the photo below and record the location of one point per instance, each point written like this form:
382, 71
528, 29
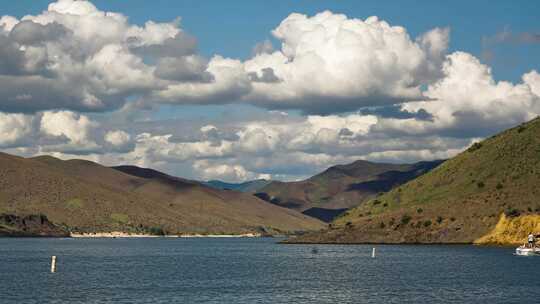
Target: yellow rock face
512, 230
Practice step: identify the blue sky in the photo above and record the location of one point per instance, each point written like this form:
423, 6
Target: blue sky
232, 28
335, 87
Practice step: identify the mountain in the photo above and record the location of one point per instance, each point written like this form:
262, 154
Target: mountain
487, 194
248, 187
338, 188
86, 197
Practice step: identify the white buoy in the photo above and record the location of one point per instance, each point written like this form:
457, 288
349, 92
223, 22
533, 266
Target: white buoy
373, 252
53, 264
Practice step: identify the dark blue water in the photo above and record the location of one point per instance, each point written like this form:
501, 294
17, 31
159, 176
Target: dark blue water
259, 271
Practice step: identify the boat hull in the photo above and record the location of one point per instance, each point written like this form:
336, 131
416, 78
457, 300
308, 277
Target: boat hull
527, 251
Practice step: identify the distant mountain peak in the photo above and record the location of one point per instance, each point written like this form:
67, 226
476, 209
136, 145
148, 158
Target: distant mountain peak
342, 186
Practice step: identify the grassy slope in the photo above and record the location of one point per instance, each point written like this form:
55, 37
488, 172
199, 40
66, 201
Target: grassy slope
460, 201
89, 197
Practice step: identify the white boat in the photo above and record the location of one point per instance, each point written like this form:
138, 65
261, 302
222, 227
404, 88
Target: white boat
522, 250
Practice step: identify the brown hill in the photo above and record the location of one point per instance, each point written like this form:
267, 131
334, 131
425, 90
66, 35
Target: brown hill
486, 194
333, 191
87, 197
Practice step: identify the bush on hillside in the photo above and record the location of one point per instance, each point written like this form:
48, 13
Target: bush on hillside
512, 212
405, 219
156, 231
474, 147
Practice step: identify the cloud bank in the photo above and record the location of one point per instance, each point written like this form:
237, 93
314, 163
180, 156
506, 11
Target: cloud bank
364, 89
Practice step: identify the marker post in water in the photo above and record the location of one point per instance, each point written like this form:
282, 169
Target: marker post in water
53, 264
373, 253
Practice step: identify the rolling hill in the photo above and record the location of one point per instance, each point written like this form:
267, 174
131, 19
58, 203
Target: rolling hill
248, 187
487, 194
341, 187
83, 196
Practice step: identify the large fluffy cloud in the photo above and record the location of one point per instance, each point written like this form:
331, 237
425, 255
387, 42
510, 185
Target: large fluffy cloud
468, 102
64, 59
331, 63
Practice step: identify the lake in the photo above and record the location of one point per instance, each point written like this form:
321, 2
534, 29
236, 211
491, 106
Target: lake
257, 270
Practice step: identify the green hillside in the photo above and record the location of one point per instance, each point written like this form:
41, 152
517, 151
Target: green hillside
459, 201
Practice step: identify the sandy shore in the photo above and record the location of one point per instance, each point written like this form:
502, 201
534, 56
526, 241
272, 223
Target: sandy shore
220, 235
118, 234
114, 234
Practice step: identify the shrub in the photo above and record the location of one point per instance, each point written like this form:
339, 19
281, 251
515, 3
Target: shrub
453, 219
382, 225
521, 129
419, 210
480, 184
512, 212
348, 224
376, 202
385, 205
439, 219
120, 218
75, 203
475, 147
405, 219
156, 231
499, 186
427, 223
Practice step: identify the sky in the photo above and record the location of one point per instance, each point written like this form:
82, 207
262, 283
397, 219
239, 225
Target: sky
258, 89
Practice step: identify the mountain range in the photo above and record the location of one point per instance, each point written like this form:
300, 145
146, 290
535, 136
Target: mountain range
248, 186
489, 193
332, 192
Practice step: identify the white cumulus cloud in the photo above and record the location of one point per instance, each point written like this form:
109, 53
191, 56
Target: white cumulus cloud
332, 63
13, 128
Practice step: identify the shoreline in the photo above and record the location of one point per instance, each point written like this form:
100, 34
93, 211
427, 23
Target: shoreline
117, 234
285, 242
